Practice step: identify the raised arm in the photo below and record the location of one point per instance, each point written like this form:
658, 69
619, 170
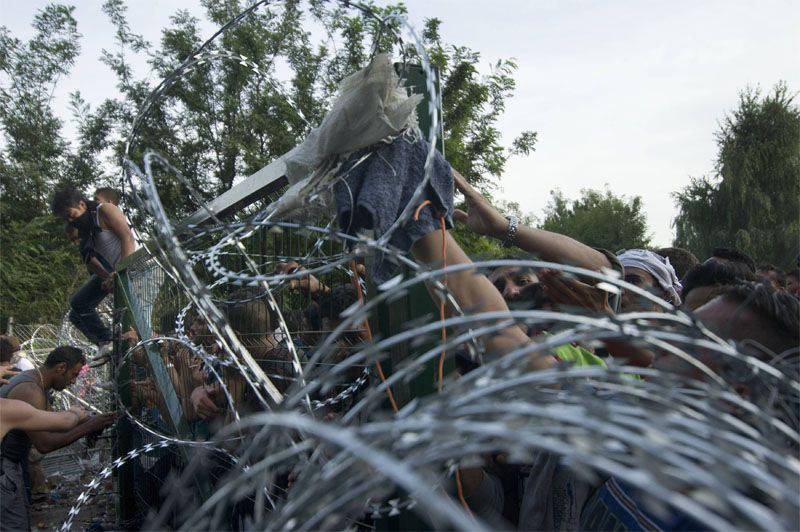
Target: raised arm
476, 294
17, 414
115, 220
484, 219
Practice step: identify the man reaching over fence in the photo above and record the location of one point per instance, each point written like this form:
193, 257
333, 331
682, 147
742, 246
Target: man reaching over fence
60, 370
104, 230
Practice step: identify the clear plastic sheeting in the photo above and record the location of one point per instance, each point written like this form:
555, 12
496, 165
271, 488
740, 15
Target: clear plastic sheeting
371, 105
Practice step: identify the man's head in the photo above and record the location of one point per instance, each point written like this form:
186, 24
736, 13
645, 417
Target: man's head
681, 259
106, 195
249, 315
762, 321
652, 272
331, 307
742, 262
69, 203
513, 282
774, 276
8, 346
793, 282
63, 364
755, 315
706, 281
198, 331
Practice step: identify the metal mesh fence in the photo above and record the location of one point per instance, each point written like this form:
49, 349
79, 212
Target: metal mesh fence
157, 305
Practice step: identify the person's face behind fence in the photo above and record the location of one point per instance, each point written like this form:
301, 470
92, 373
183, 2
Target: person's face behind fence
199, 333
642, 279
753, 335
511, 282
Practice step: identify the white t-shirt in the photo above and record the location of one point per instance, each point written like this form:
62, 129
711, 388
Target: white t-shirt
23, 363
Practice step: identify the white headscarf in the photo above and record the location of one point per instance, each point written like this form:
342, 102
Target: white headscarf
657, 266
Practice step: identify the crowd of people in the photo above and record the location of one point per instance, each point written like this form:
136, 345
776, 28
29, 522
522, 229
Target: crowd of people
756, 307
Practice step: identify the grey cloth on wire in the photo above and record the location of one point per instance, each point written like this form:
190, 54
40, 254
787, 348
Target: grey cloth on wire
13, 501
378, 182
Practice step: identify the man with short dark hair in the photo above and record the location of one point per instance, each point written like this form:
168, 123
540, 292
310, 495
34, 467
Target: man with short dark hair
106, 195
793, 282
764, 323
681, 259
104, 229
742, 262
706, 281
755, 314
60, 370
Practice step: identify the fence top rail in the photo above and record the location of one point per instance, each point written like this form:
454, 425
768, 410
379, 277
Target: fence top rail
267, 180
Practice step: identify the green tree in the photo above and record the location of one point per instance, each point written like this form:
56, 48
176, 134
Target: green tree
751, 203
37, 265
598, 219
224, 120
39, 272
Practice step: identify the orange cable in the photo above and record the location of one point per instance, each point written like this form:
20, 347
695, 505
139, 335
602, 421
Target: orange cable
459, 485
378, 367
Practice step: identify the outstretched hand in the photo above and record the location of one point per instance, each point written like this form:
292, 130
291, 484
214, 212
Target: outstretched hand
203, 401
482, 217
563, 290
307, 283
6, 372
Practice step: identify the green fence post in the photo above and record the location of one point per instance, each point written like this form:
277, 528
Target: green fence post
390, 318
126, 500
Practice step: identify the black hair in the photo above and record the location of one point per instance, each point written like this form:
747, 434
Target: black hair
710, 273
8, 346
339, 299
249, 314
734, 255
65, 353
681, 259
778, 307
773, 268
65, 198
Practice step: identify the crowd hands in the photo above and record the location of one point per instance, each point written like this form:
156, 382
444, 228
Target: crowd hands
726, 294
210, 388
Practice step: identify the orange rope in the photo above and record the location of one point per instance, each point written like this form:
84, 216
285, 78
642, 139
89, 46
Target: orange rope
459, 485
378, 367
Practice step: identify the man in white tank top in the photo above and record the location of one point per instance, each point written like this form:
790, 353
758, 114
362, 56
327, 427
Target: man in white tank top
105, 228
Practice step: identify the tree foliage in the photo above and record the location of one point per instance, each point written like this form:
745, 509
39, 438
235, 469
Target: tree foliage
39, 272
221, 122
225, 121
38, 265
751, 203
598, 219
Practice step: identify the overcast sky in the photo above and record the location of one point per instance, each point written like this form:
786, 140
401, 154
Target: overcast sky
627, 94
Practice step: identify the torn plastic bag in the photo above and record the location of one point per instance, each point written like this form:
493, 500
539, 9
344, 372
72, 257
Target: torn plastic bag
370, 106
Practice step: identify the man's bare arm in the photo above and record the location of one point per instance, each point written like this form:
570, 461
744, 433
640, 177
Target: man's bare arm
44, 441
21, 415
476, 294
484, 219
116, 221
